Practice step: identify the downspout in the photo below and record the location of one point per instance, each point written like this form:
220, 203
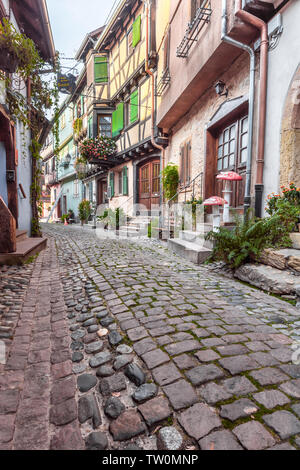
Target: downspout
263, 27
152, 78
245, 47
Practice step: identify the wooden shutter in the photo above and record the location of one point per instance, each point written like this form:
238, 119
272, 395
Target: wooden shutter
136, 31
188, 162
118, 120
112, 183
125, 181
134, 106
181, 172
90, 127
100, 69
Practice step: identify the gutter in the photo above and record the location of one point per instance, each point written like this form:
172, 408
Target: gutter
263, 27
245, 47
46, 23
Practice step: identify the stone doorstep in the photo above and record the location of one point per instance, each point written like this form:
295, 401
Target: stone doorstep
25, 249
282, 259
189, 250
268, 278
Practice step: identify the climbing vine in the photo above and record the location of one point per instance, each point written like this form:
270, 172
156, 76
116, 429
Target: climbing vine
170, 180
21, 58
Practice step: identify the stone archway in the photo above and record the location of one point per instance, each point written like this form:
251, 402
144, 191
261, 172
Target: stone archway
290, 135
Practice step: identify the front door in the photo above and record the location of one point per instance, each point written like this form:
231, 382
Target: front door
101, 192
232, 151
149, 184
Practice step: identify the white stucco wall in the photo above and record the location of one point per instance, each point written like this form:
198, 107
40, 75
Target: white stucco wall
24, 178
283, 63
3, 186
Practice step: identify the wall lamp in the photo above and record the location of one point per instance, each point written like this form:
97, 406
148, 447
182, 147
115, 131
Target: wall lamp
221, 89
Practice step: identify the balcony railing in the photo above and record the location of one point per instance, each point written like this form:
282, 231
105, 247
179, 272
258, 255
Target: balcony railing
51, 178
163, 83
194, 29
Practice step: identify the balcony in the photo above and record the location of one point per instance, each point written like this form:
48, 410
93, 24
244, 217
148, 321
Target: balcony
51, 178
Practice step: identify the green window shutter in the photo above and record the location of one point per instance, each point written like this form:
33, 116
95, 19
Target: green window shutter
136, 31
112, 183
125, 181
101, 69
118, 120
90, 127
134, 107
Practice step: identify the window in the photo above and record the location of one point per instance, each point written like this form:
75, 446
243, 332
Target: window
167, 50
185, 163
104, 125
53, 164
129, 42
100, 69
195, 4
63, 121
76, 188
233, 146
46, 169
156, 178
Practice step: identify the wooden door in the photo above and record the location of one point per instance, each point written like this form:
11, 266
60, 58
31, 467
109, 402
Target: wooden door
149, 184
101, 192
232, 152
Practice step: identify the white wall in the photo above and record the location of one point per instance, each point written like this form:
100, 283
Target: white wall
283, 62
3, 185
24, 178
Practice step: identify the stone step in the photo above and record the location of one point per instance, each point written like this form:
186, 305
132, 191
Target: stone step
269, 279
21, 235
190, 251
286, 259
197, 237
26, 248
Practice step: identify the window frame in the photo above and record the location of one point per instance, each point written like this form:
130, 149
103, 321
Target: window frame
237, 124
99, 116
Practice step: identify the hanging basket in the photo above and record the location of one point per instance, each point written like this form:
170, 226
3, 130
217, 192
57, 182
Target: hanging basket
8, 61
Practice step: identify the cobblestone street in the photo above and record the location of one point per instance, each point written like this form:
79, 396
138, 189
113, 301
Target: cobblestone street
113, 344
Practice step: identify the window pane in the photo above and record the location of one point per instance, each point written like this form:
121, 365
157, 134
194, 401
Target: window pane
232, 146
225, 162
221, 139
220, 152
232, 132
244, 142
244, 154
231, 160
226, 149
220, 164
245, 125
226, 135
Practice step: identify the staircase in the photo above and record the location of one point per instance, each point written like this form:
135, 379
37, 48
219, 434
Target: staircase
26, 248
192, 245
136, 227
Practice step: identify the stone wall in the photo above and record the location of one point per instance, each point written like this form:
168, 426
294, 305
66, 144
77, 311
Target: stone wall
192, 125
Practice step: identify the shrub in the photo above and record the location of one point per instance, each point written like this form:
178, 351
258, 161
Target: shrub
84, 211
250, 237
170, 180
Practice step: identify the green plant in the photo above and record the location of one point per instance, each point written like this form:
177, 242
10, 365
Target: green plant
114, 219
250, 237
195, 203
64, 217
84, 211
170, 180
154, 223
287, 201
100, 148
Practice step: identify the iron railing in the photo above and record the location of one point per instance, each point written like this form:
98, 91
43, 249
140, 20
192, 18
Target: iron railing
163, 83
194, 29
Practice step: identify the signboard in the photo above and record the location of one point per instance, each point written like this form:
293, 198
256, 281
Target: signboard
66, 83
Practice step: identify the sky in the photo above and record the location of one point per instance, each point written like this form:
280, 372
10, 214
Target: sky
71, 20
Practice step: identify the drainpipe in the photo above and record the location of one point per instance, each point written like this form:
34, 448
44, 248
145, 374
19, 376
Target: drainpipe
152, 78
245, 47
263, 27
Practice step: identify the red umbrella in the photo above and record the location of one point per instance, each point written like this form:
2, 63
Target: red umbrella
215, 201
228, 177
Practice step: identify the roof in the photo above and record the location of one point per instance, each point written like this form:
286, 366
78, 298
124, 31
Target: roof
88, 43
33, 20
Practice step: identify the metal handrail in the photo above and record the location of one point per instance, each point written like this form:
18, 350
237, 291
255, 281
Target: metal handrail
186, 187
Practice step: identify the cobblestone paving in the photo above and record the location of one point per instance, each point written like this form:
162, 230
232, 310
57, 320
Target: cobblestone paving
122, 345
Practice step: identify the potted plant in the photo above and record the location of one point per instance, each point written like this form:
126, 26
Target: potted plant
84, 210
80, 166
97, 149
